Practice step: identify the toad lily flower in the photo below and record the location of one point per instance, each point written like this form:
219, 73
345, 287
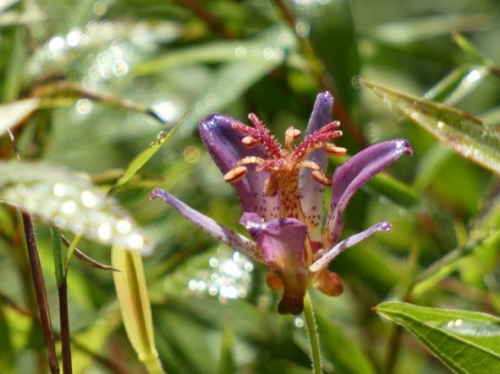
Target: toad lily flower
280, 189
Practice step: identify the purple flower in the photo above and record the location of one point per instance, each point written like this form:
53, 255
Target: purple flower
281, 190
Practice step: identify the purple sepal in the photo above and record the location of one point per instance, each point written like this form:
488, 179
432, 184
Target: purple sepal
353, 174
208, 225
312, 192
223, 143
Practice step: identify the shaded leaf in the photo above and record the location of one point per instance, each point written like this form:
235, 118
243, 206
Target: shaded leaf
467, 342
330, 29
345, 354
463, 133
69, 202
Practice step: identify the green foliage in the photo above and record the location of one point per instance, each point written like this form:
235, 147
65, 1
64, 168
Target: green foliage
466, 341
103, 99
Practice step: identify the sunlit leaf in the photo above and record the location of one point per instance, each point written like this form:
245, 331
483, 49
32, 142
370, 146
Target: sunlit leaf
131, 289
458, 84
13, 113
467, 342
69, 202
464, 134
268, 46
138, 162
246, 63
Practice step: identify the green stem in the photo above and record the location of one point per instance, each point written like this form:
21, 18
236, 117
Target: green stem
312, 332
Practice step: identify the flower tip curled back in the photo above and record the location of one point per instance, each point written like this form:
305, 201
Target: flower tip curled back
405, 146
156, 192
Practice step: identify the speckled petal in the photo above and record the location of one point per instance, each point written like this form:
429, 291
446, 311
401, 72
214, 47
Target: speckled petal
208, 225
282, 245
224, 145
312, 192
353, 174
323, 262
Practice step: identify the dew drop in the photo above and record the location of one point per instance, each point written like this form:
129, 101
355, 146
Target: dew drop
161, 136
123, 226
240, 52
302, 29
89, 200
68, 207
135, 241
104, 231
59, 189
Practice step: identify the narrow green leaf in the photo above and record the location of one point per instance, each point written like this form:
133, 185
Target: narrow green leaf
461, 132
59, 257
461, 82
260, 50
467, 342
329, 26
70, 202
138, 162
13, 113
131, 289
226, 363
466, 46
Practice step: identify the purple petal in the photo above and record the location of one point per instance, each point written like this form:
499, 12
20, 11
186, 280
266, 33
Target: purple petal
208, 225
282, 245
354, 173
224, 145
312, 192
349, 242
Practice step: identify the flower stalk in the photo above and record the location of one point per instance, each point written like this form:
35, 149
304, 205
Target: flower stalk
312, 333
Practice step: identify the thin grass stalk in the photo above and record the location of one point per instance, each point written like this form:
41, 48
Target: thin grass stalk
40, 293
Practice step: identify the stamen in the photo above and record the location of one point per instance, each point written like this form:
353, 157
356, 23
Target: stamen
271, 186
249, 142
333, 150
235, 175
320, 177
291, 135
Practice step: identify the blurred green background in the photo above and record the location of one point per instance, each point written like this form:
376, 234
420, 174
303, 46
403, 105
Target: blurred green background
212, 311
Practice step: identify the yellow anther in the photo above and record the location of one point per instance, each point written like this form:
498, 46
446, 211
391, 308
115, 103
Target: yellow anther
333, 150
249, 142
320, 177
235, 175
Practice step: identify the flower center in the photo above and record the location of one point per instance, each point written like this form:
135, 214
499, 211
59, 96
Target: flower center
284, 163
